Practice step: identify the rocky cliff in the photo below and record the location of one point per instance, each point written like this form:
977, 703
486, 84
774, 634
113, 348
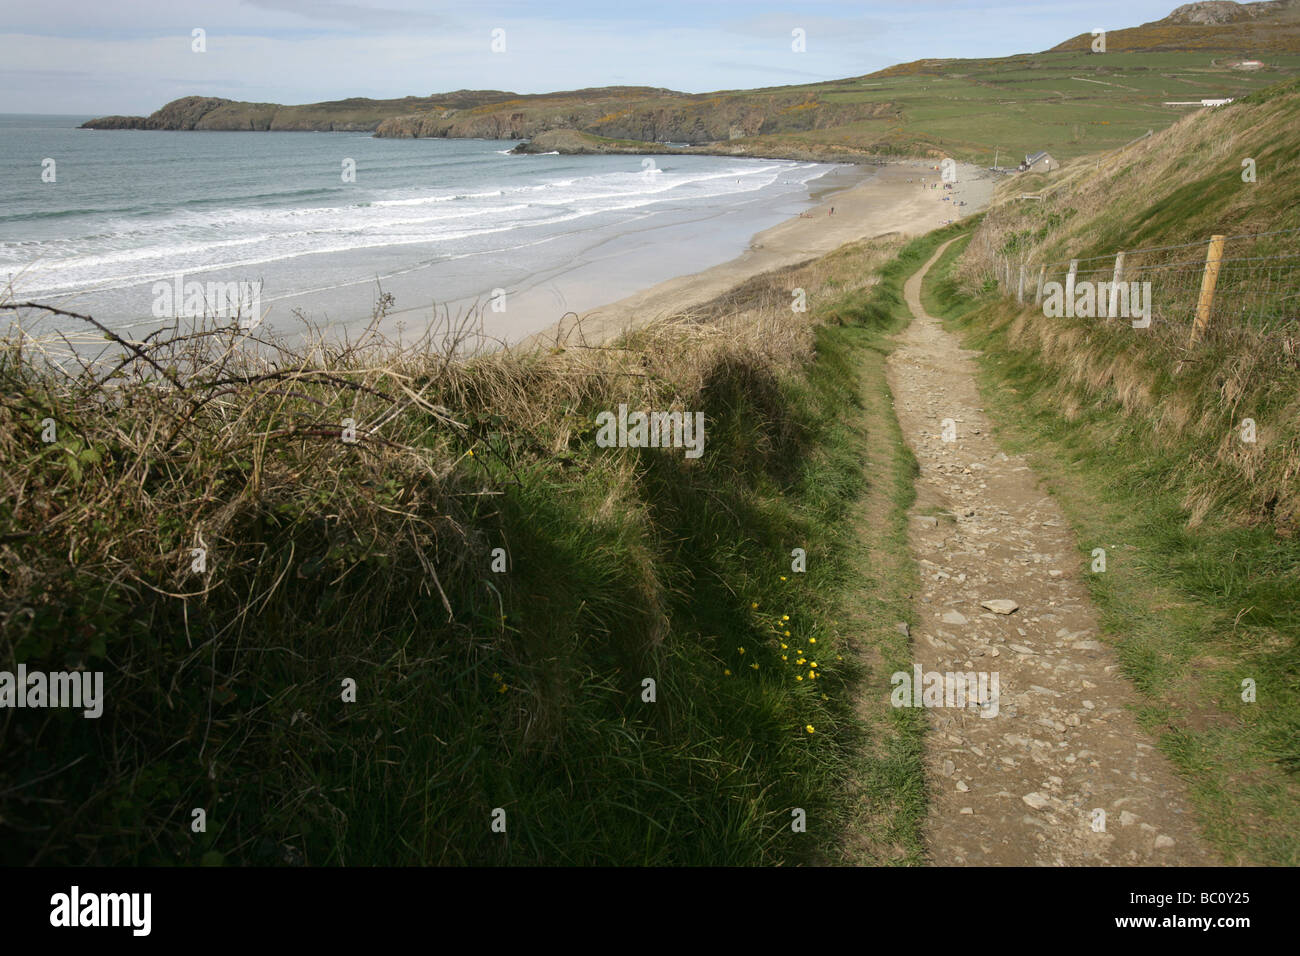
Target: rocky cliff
666, 118
649, 115
350, 115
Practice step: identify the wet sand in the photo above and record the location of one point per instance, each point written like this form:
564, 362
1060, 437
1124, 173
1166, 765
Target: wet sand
893, 200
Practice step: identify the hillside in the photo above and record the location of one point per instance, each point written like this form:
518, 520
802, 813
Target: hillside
1067, 100
1247, 29
1168, 194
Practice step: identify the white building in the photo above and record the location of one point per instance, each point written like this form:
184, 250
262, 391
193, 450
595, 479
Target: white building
1219, 102
1040, 162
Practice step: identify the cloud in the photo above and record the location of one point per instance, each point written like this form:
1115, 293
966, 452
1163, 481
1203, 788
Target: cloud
356, 15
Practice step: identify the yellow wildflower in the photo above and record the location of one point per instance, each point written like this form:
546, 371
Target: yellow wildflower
809, 728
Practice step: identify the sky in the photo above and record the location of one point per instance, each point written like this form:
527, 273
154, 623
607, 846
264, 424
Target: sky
97, 57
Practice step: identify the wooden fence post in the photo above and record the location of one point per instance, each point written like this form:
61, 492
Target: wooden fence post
1115, 280
1038, 293
1020, 289
1208, 281
1069, 287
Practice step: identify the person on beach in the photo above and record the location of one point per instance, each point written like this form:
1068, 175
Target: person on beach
832, 212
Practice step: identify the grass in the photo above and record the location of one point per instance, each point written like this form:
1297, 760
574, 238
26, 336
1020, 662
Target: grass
886, 800
968, 109
479, 689
1175, 190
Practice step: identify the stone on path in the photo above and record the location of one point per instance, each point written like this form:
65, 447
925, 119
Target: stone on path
1000, 606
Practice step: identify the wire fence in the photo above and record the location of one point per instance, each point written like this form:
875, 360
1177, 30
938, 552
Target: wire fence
1194, 294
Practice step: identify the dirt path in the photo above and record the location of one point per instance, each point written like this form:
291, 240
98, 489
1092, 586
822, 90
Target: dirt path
1019, 787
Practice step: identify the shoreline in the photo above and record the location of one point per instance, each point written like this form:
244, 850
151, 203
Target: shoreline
898, 198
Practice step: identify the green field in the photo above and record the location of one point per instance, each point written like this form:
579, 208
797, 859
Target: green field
1068, 103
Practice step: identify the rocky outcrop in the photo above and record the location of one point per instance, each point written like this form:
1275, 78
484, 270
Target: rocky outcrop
1220, 26
1221, 11
351, 115
117, 122
185, 113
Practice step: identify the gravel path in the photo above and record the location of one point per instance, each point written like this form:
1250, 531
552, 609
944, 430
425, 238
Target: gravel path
1021, 785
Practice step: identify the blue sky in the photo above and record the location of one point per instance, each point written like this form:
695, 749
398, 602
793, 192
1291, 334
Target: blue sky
131, 56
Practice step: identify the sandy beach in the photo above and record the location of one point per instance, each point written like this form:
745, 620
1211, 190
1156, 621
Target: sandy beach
898, 198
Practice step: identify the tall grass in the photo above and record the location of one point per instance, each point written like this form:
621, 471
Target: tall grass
328, 560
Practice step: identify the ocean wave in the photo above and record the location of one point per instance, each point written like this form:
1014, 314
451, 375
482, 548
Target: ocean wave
116, 248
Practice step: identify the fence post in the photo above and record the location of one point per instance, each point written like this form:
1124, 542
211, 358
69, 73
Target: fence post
1212, 259
1069, 287
1038, 293
1020, 289
1115, 280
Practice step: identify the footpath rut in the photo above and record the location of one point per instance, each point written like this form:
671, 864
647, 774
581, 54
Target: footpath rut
1021, 787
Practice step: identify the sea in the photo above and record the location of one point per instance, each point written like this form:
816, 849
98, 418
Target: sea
326, 226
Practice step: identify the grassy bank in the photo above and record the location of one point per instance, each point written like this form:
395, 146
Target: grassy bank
1195, 601
1184, 185
289, 574
885, 800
